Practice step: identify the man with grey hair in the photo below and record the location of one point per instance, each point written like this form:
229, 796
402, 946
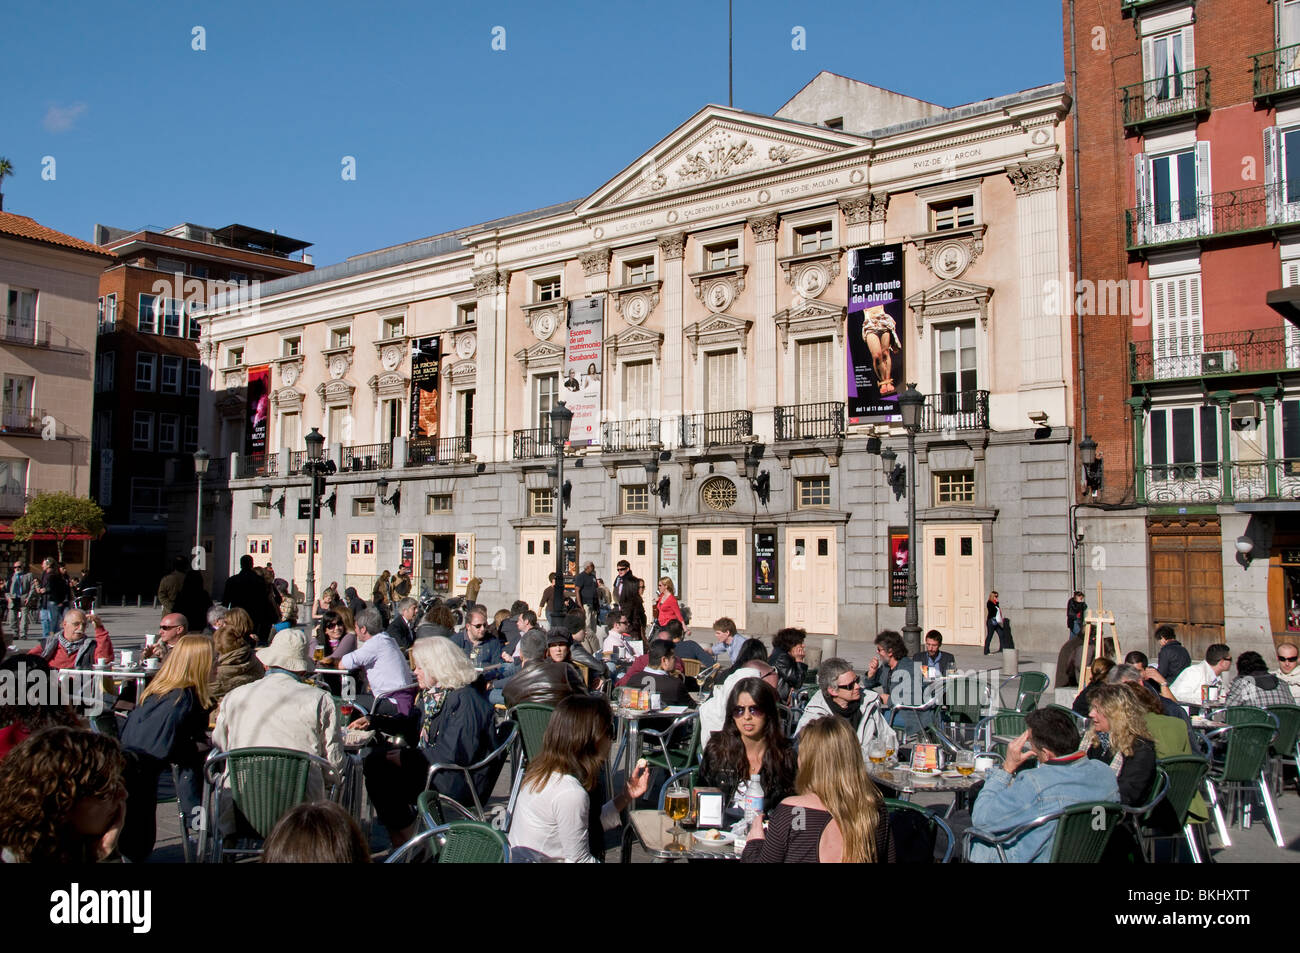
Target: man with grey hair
840, 693
390, 677
216, 619
402, 627
541, 681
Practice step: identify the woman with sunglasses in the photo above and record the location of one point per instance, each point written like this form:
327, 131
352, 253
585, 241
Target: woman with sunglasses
553, 818
751, 742
337, 634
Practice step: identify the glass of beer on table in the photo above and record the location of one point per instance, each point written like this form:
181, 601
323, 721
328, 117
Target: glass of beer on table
677, 803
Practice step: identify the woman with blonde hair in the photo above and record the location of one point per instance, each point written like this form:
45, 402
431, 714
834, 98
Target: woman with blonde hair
240, 623
169, 726
1118, 735
841, 816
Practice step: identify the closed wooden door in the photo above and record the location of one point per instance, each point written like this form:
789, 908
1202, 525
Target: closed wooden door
811, 579
536, 563
300, 564
717, 583
637, 547
1187, 582
952, 582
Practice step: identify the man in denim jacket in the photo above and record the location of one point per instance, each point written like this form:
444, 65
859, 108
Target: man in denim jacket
1060, 781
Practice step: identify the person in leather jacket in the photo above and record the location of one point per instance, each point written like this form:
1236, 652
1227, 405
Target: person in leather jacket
787, 658
541, 681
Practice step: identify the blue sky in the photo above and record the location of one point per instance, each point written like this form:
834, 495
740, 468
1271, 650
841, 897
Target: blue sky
445, 131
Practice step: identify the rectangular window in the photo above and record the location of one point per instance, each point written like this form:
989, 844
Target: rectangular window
390, 419
171, 266
142, 430
721, 390
1173, 181
952, 213
147, 321
235, 357
547, 388
957, 373
292, 347
145, 372
636, 499
172, 312
194, 325
813, 492
722, 255
363, 506
1182, 437
199, 271
954, 486
290, 431
191, 435
341, 337
1176, 329
541, 502
169, 432
1291, 435
395, 327
13, 480
1290, 139
437, 503
467, 314
546, 289
811, 238
639, 271
170, 378
193, 377
466, 416
731, 547
105, 366
109, 322
816, 371
102, 435
638, 389
146, 498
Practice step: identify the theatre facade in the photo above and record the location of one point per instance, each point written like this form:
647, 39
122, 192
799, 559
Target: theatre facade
731, 398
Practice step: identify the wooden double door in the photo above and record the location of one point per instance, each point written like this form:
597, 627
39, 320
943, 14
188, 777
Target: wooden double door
1187, 580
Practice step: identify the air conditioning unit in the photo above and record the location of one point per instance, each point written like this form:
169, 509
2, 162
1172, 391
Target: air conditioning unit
1218, 362
1244, 415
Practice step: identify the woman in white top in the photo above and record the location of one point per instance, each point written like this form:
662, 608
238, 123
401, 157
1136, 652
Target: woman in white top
552, 817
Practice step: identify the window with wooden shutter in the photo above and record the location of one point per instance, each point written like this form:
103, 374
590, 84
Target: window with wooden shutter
1176, 326
720, 384
1290, 278
637, 394
816, 376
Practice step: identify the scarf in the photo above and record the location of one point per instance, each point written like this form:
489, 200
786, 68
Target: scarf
853, 712
431, 701
70, 647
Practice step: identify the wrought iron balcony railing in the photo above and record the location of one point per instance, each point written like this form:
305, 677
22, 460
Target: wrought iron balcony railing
809, 421
259, 464
1210, 355
368, 456
960, 410
717, 429
16, 329
1238, 481
622, 435
1276, 72
1169, 97
1223, 213
534, 443
12, 502
427, 453
297, 459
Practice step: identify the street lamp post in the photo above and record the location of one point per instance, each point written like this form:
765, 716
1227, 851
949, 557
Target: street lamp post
561, 422
316, 470
200, 470
910, 403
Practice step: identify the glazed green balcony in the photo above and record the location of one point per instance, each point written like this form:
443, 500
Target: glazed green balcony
1277, 72
1132, 8
1170, 97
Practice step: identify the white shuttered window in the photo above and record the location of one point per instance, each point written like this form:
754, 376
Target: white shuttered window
816, 375
720, 381
638, 395
1176, 326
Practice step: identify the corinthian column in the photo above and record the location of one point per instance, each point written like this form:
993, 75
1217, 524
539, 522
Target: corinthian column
671, 252
764, 390
857, 216
1035, 184
490, 370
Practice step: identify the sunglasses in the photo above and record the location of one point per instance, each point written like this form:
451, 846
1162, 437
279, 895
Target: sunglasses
334, 625
739, 711
847, 685
1287, 658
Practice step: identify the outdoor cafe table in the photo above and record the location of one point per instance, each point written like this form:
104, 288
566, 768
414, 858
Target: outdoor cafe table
652, 830
903, 780
629, 733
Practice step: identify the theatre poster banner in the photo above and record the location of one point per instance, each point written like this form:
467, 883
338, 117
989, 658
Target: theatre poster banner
876, 371
424, 397
583, 355
259, 409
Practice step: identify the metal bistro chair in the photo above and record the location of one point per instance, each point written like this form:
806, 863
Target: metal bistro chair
689, 775
1242, 769
932, 822
264, 785
1030, 690
492, 763
1185, 774
1077, 839
459, 842
1286, 746
1139, 815
963, 702
674, 755
532, 720
1001, 727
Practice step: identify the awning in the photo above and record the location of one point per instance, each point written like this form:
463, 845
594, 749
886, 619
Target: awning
1286, 302
7, 532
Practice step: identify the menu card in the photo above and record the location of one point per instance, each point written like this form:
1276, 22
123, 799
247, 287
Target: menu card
925, 758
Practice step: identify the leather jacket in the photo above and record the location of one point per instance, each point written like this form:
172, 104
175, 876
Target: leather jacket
542, 683
790, 673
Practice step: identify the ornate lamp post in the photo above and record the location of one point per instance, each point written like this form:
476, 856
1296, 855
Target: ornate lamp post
317, 469
911, 402
201, 459
561, 422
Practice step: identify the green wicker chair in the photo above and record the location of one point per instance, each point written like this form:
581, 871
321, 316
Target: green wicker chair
1030, 690
933, 822
963, 703
531, 720
1244, 715
460, 842
1077, 839
1286, 746
489, 767
1005, 723
429, 806
678, 744
1186, 774
1243, 769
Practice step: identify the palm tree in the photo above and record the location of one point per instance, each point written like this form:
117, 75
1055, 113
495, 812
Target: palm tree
6, 169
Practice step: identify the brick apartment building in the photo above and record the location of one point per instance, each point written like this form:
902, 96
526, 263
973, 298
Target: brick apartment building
148, 376
1183, 160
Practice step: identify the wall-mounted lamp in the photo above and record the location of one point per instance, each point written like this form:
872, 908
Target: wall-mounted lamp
396, 499
895, 472
873, 445
760, 483
332, 501
1039, 419
1092, 464
266, 499
1245, 546
662, 487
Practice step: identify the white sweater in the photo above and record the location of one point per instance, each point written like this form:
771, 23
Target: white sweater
553, 821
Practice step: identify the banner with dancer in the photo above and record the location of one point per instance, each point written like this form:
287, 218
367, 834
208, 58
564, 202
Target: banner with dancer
876, 319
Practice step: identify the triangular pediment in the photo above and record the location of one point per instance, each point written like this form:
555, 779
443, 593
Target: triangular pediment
950, 290
541, 351
717, 145
719, 324
813, 310
636, 336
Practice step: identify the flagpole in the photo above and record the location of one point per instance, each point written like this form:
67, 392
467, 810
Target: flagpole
729, 68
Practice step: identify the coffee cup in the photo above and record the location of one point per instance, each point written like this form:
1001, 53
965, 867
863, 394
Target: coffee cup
151, 665
128, 657
101, 663
150, 638
656, 701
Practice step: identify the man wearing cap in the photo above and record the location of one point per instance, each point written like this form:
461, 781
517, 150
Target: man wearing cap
280, 710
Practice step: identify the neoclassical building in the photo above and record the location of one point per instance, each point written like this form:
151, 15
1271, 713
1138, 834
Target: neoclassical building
720, 447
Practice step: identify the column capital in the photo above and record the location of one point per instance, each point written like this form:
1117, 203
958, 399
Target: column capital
1036, 176
673, 246
595, 262
489, 282
856, 208
764, 227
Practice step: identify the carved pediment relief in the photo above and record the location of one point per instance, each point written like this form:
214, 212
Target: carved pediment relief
541, 356
287, 398
544, 317
391, 351
463, 373
232, 377
289, 368
230, 406
949, 253
811, 275
634, 342
811, 317
389, 385
950, 297
338, 360
335, 394
719, 288
719, 329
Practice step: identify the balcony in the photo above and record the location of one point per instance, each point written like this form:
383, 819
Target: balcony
533, 444
297, 460
433, 452
958, 411
259, 464
1211, 483
368, 456
721, 428
26, 331
1170, 97
622, 435
1262, 350
1258, 208
810, 421
20, 421
1277, 72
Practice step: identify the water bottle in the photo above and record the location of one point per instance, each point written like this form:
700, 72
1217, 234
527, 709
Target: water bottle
753, 799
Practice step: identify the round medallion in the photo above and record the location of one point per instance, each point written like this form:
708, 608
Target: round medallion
289, 375
1040, 137
812, 281
598, 233
764, 196
856, 176
672, 217
718, 296
544, 325
465, 345
950, 260
489, 257
718, 493
636, 309
391, 358
338, 366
